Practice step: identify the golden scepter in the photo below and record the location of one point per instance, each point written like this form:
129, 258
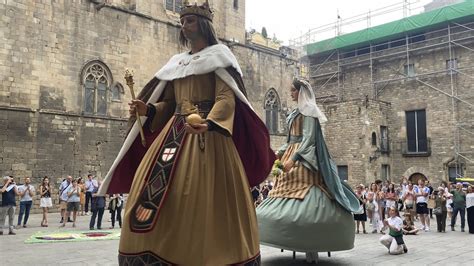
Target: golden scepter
129, 78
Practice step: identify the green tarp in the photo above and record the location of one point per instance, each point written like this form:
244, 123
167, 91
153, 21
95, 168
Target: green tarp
396, 28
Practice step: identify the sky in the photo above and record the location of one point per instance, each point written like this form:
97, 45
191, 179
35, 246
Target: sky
290, 19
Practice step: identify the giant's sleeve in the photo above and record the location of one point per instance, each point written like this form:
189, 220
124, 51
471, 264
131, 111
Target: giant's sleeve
221, 116
164, 109
306, 152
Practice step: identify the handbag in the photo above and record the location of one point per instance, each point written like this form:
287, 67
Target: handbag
437, 211
370, 206
431, 203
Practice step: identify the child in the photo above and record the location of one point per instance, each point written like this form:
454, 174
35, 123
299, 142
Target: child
408, 225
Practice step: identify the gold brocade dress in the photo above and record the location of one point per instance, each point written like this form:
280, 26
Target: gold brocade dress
208, 216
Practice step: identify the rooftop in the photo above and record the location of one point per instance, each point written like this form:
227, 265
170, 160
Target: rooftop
460, 12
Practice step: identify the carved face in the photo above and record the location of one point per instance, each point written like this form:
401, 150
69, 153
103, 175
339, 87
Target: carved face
190, 27
294, 93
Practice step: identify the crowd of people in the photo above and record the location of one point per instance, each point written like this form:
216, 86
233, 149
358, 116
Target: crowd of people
382, 202
76, 198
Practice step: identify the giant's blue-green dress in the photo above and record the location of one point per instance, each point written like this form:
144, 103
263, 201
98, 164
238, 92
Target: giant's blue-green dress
309, 208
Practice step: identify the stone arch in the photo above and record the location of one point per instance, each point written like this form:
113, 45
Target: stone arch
414, 173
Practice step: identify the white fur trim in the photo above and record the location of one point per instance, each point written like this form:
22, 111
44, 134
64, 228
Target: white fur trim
206, 61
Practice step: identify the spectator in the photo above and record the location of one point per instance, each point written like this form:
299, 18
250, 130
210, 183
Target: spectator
372, 207
361, 218
470, 208
26, 192
404, 184
409, 226
9, 191
399, 192
255, 193
265, 190
409, 201
73, 202
430, 202
63, 189
97, 208
82, 195
394, 239
440, 209
459, 206
391, 197
449, 199
115, 208
91, 185
380, 198
45, 201
421, 194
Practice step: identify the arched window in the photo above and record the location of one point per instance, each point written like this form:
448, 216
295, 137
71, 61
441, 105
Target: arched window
117, 91
374, 139
272, 108
96, 79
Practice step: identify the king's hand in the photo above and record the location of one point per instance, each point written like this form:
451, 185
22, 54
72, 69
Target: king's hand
137, 105
196, 128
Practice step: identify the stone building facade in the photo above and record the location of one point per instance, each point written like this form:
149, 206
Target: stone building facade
63, 100
401, 107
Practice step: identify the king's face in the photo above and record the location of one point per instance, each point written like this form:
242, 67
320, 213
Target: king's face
190, 27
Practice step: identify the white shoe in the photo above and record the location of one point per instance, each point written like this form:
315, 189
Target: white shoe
312, 257
427, 229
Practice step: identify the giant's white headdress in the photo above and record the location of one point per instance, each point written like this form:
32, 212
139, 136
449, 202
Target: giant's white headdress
307, 102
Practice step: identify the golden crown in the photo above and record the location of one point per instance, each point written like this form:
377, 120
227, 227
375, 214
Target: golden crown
203, 10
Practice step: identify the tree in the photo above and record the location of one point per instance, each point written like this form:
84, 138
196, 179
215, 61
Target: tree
264, 32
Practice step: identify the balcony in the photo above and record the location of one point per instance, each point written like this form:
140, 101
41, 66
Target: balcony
412, 148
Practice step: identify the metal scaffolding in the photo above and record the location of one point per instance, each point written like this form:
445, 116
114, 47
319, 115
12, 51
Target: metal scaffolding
368, 19
452, 36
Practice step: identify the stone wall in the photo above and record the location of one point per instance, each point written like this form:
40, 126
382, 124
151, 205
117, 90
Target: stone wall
45, 45
348, 135
430, 90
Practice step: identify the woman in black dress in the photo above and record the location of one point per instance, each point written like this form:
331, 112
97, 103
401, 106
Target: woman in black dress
361, 218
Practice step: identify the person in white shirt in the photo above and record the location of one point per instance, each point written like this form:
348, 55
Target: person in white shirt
90, 185
421, 194
26, 192
393, 240
65, 185
470, 208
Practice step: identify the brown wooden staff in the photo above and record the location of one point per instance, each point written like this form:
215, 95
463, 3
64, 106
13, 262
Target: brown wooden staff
129, 78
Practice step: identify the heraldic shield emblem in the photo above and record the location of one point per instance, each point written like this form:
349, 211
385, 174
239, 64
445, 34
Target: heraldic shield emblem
168, 154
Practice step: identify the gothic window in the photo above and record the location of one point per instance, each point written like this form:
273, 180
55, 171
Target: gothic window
417, 140
117, 91
272, 108
374, 139
173, 5
96, 78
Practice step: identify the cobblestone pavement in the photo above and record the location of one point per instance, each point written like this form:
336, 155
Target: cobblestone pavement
453, 248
